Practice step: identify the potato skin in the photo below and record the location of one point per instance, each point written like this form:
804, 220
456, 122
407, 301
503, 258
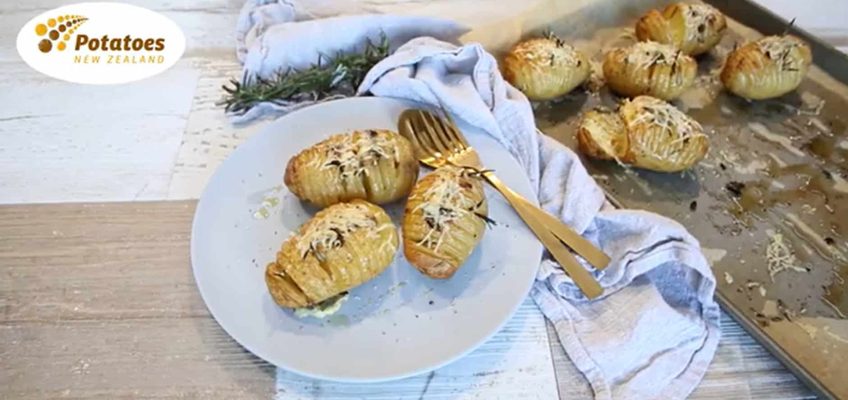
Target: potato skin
545, 68
374, 165
645, 132
341, 247
766, 68
693, 28
649, 68
443, 221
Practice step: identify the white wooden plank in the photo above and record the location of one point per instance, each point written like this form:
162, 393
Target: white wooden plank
514, 364
70, 142
209, 137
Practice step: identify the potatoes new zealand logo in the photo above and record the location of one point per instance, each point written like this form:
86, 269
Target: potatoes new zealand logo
58, 30
100, 43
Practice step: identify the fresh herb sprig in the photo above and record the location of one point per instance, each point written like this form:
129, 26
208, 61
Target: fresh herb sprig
339, 75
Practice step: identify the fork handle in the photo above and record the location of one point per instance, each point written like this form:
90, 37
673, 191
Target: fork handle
533, 217
571, 238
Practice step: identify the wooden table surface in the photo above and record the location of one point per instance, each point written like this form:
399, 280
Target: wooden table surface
96, 291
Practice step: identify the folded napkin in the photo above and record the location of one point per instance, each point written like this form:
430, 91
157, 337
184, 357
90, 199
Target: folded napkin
654, 332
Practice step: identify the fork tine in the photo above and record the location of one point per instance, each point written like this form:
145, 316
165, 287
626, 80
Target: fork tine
423, 135
438, 134
455, 134
428, 134
409, 133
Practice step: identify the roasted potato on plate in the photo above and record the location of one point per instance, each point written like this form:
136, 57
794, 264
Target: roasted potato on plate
374, 165
341, 247
444, 220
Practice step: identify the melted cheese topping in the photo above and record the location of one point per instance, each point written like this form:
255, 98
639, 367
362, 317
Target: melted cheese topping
549, 50
646, 54
329, 231
356, 151
666, 117
442, 203
778, 49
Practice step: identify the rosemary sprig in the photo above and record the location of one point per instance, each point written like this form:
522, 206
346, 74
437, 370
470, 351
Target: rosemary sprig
339, 75
788, 27
550, 35
489, 222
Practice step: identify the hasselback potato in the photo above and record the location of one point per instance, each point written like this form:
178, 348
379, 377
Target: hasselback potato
444, 220
374, 165
645, 132
545, 68
649, 68
341, 247
769, 67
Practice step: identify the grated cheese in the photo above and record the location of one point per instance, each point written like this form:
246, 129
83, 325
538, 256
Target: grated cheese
443, 203
646, 54
778, 48
548, 50
666, 117
779, 256
329, 231
354, 152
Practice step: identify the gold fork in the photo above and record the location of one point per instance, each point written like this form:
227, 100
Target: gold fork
438, 142
460, 147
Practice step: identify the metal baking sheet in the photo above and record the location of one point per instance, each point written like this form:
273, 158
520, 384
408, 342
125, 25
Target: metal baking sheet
768, 203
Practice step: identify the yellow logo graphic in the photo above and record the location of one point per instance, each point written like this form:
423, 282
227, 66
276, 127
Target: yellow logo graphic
59, 29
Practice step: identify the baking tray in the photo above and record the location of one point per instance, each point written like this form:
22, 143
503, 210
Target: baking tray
775, 181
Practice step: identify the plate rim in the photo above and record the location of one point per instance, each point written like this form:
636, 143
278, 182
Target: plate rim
377, 102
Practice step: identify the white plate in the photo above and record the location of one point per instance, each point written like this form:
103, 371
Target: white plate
399, 324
